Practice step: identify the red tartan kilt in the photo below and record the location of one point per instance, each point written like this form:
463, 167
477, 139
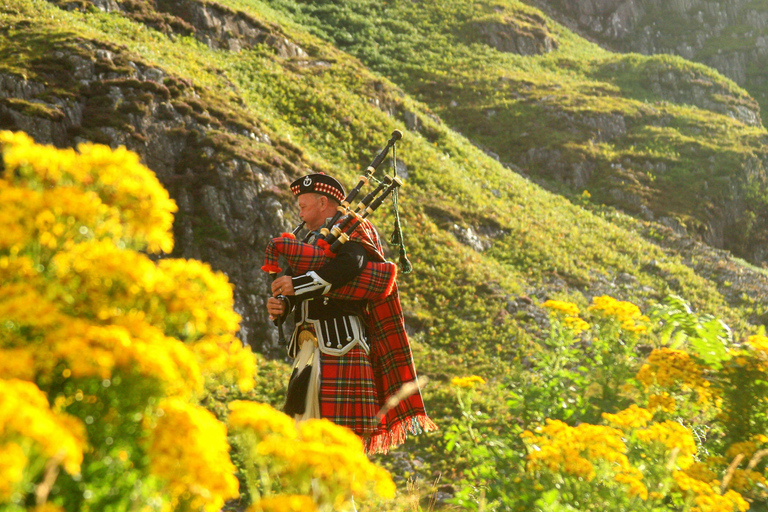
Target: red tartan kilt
348, 391
374, 282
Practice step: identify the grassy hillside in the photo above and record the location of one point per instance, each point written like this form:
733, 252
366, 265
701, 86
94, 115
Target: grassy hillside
648, 134
488, 245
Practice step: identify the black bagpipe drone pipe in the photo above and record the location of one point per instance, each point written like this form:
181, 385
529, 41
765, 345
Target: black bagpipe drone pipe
377, 279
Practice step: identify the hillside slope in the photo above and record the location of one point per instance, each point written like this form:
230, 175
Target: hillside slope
227, 129
660, 137
229, 102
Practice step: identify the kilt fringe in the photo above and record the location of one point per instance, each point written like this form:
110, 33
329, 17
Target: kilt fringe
384, 441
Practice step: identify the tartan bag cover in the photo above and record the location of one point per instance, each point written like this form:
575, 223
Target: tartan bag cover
377, 279
392, 360
391, 356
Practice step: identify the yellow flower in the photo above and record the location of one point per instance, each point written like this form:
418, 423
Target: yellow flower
46, 507
745, 448
284, 503
671, 436
632, 417
670, 369
226, 360
567, 308
118, 186
24, 411
743, 480
701, 471
662, 401
190, 453
626, 313
330, 454
80, 299
559, 448
261, 419
576, 324
706, 498
13, 461
467, 382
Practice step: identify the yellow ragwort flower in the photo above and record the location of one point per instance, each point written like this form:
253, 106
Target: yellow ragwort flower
632, 417
284, 503
24, 412
576, 324
706, 498
190, 453
663, 401
629, 316
558, 306
559, 448
467, 382
672, 436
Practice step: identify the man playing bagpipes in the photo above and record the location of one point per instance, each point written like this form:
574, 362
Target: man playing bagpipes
350, 349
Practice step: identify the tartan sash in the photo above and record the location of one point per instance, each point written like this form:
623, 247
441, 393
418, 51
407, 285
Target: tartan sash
377, 279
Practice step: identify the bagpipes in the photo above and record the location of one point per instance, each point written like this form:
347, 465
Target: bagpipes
377, 279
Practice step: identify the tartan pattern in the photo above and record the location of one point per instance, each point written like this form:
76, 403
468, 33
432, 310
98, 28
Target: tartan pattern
302, 257
375, 281
348, 391
390, 358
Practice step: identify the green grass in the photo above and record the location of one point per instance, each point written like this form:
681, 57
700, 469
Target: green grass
320, 116
510, 103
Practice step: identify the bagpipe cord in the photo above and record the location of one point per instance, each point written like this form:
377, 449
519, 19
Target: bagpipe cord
397, 234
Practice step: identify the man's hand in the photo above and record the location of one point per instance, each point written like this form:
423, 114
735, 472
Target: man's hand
283, 285
275, 308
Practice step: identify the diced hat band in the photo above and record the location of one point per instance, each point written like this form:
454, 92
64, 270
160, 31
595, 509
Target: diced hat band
319, 183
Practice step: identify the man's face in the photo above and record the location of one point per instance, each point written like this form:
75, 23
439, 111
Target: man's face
312, 209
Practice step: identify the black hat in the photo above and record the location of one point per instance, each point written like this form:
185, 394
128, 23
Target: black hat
319, 183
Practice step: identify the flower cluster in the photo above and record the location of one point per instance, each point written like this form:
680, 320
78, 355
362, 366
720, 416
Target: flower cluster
671, 369
627, 314
570, 313
121, 345
566, 308
632, 451
559, 448
329, 456
632, 417
190, 452
467, 382
662, 401
672, 438
29, 426
755, 354
284, 503
108, 187
706, 498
